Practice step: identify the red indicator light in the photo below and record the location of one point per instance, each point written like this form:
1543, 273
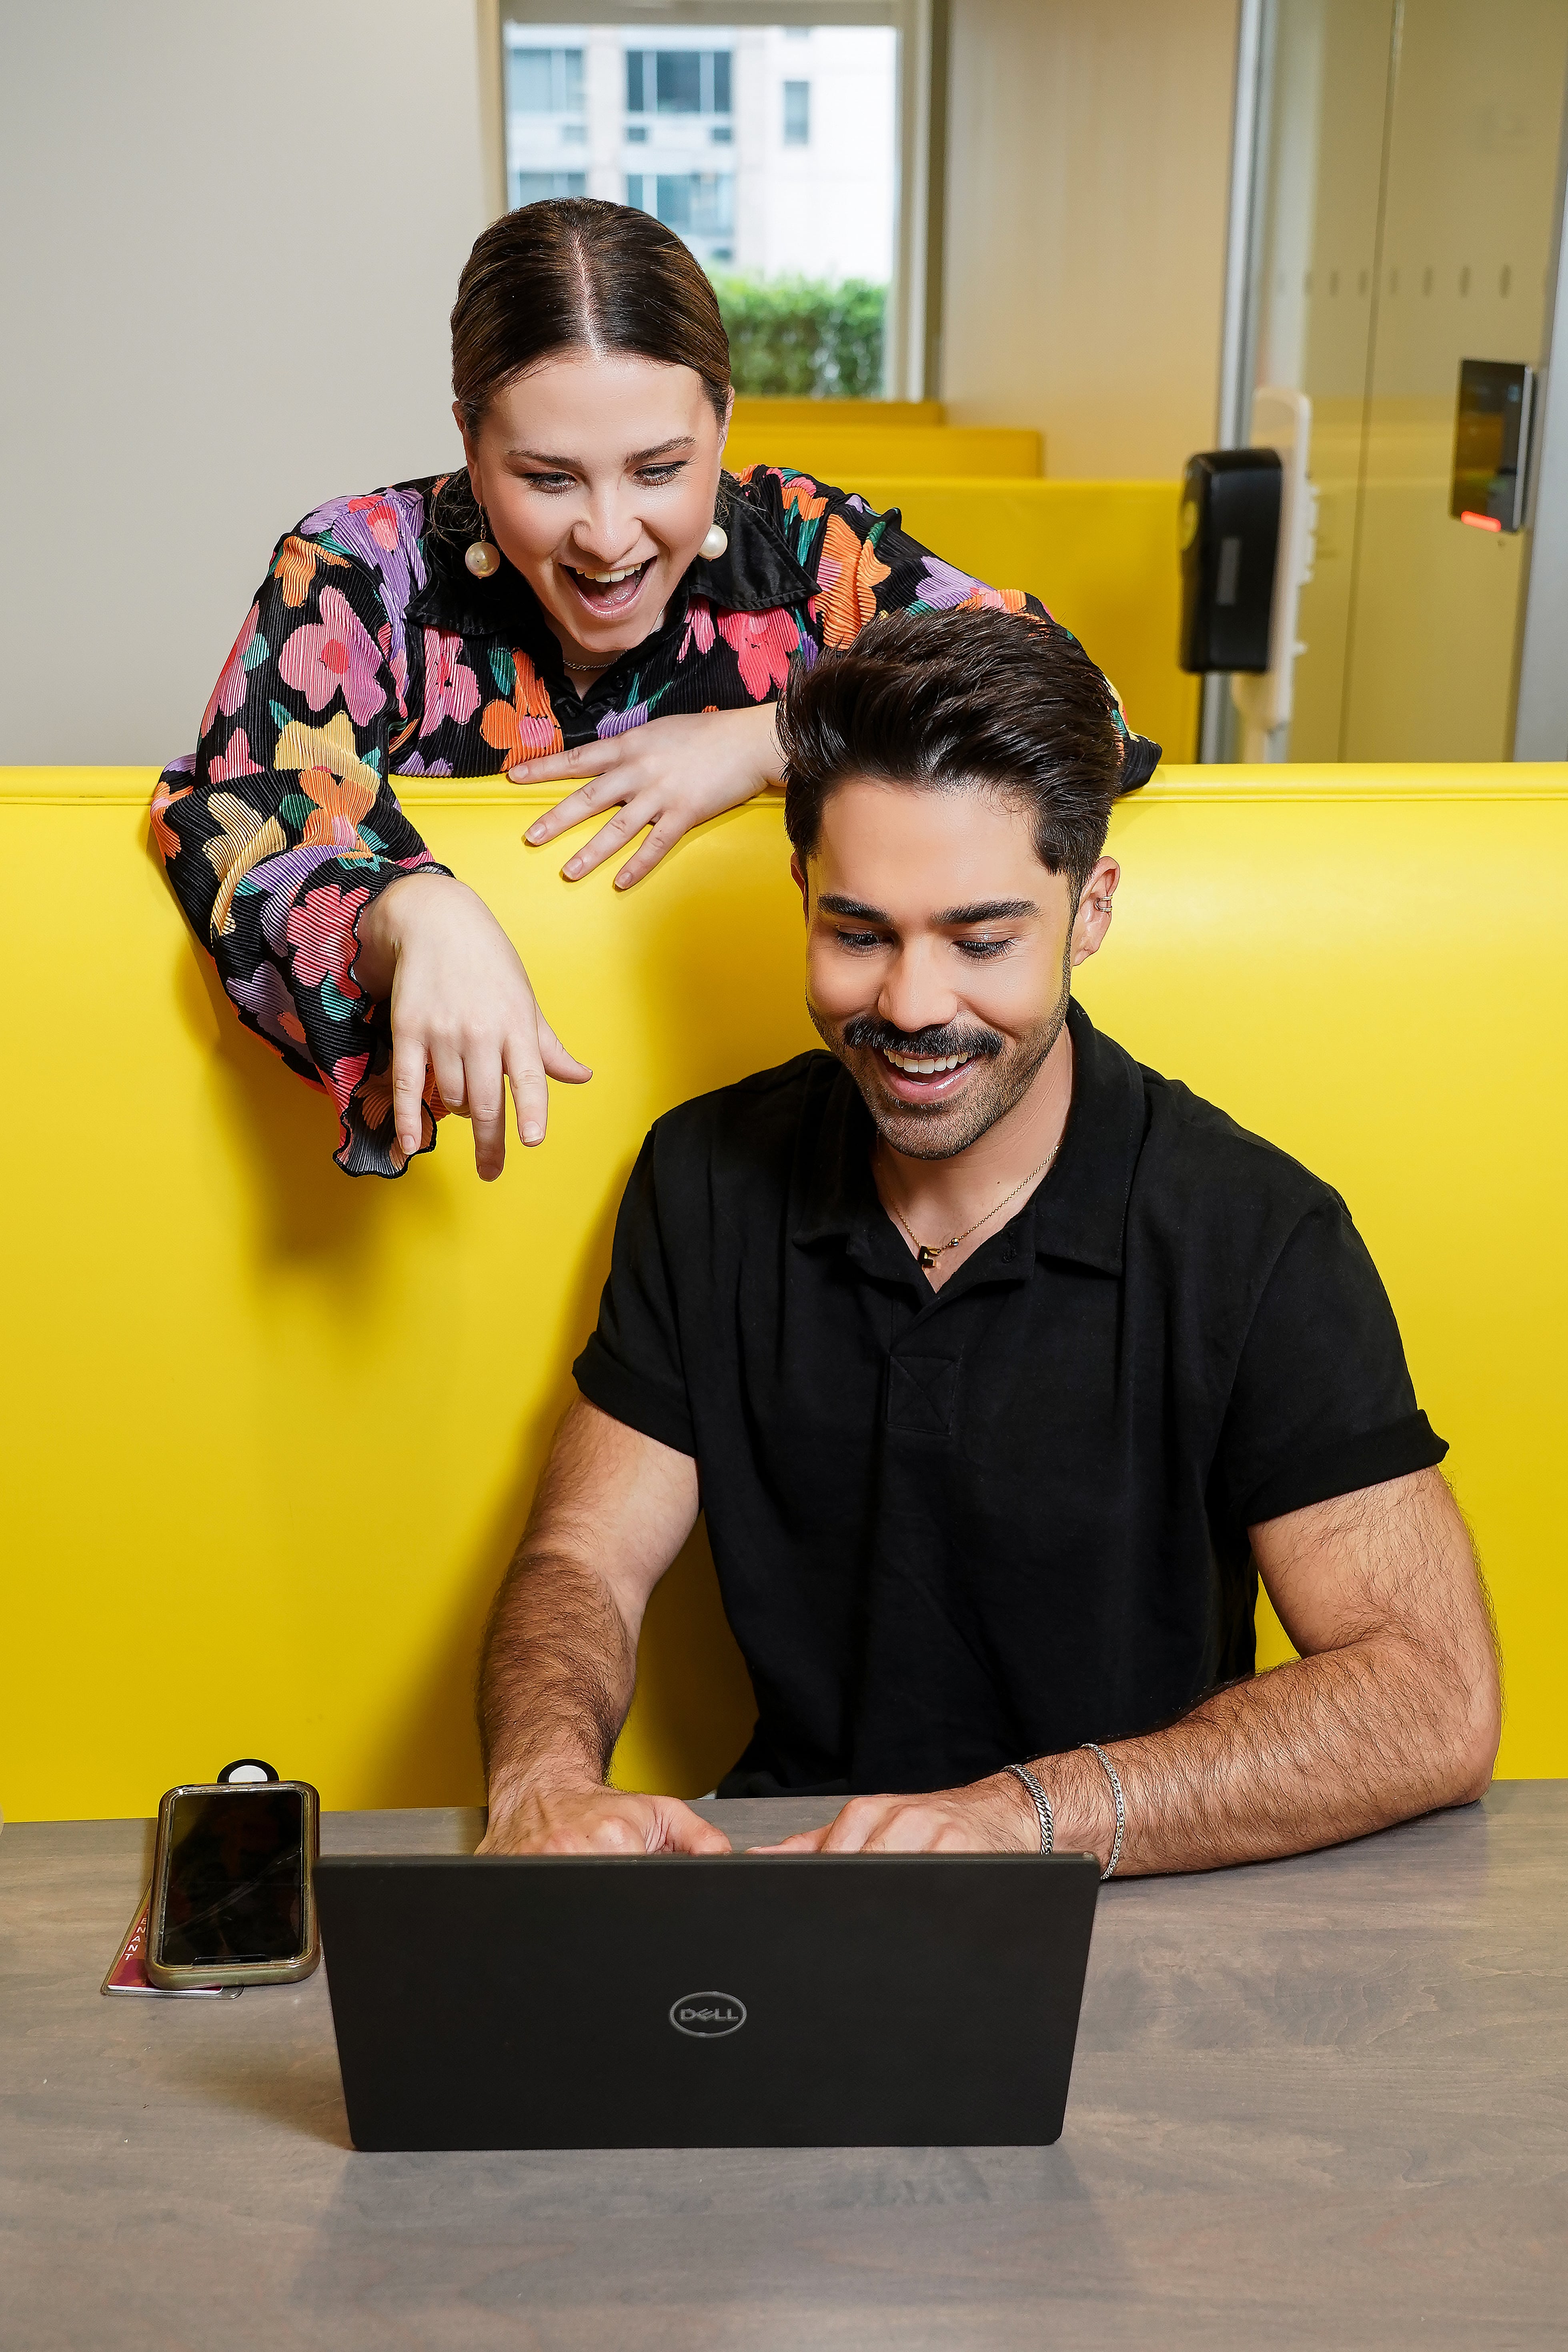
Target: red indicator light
1480, 521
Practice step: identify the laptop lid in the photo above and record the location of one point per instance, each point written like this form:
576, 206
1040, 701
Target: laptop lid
725, 2001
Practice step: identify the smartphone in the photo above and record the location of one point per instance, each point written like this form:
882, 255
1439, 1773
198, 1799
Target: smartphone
233, 1897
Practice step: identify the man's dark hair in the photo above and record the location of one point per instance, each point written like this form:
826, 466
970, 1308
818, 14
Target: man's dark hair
953, 701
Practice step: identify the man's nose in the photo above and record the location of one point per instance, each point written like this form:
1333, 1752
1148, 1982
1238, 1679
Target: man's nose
914, 995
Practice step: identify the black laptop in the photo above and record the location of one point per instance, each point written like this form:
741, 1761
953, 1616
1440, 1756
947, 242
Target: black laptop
733, 2001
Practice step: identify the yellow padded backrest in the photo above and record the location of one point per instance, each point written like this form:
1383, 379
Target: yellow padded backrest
842, 453
1100, 555
755, 412
270, 1434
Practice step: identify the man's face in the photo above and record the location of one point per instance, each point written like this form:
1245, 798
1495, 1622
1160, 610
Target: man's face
939, 957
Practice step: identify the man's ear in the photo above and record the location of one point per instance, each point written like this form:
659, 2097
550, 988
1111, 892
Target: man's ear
1093, 918
797, 874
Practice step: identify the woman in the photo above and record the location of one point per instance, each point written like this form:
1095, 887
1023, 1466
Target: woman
591, 597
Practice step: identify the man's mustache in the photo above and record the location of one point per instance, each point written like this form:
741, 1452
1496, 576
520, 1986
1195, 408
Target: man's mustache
863, 1029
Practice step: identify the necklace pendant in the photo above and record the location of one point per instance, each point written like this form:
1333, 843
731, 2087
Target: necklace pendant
928, 1256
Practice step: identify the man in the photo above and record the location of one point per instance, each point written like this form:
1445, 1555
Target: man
1000, 1366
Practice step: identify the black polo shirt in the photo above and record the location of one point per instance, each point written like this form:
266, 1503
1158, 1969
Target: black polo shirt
957, 1528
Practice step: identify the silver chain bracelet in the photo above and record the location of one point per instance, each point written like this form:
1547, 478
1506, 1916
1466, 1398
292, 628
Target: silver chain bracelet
1042, 1804
1110, 1770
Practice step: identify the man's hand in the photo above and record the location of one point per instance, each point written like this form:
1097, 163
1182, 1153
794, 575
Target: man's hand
597, 1820
993, 1816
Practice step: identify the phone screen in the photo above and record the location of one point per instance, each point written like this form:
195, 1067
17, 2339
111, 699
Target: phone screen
236, 1879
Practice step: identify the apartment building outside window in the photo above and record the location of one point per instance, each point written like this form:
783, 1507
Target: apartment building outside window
771, 150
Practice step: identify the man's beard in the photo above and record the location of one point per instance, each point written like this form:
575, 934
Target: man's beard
938, 1131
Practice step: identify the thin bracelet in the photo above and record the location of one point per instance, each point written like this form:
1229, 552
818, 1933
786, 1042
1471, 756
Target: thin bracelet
1042, 1806
1110, 1771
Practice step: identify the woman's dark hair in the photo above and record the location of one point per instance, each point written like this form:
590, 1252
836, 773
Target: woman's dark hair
958, 702
572, 273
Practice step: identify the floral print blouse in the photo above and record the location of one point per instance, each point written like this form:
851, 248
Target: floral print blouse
372, 652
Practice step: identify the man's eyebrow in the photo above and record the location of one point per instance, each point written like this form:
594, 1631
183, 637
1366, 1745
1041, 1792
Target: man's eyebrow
985, 910
639, 457
833, 903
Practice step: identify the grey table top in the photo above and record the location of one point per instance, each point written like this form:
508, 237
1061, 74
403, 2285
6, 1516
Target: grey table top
1319, 2102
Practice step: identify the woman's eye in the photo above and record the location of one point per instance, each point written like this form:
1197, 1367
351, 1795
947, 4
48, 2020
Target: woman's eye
655, 475
552, 483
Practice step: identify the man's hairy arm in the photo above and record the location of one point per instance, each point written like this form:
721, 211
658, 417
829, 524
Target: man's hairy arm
1394, 1708
558, 1662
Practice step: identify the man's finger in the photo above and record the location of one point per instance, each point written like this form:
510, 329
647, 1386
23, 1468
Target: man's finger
407, 1090
485, 1086
684, 1832
860, 1821
803, 1841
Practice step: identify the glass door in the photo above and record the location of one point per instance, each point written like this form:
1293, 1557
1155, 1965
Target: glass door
1410, 185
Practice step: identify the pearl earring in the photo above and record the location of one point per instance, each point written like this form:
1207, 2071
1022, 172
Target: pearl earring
481, 557
713, 545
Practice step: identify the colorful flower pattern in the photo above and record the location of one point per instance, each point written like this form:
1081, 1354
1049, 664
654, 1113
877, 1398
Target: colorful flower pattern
371, 653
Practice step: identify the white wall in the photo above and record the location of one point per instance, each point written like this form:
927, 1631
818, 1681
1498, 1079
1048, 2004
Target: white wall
232, 236
1088, 173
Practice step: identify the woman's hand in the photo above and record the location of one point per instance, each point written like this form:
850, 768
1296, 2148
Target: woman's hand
668, 775
461, 1002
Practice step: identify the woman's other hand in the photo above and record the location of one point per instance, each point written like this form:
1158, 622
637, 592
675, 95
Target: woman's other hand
461, 1003
667, 775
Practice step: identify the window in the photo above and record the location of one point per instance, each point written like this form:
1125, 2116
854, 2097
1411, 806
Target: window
707, 123
531, 188
693, 203
544, 81
678, 81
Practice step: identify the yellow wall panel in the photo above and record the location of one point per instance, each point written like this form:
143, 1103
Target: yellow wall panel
270, 1434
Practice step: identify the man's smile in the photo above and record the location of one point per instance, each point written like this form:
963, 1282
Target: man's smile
924, 1077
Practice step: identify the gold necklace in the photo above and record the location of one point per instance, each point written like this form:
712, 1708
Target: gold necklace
928, 1253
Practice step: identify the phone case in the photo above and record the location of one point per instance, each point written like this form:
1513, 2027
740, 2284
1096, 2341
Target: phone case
128, 1970
168, 1977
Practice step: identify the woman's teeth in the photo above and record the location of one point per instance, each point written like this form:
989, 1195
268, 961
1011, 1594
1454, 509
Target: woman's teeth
923, 1066
605, 577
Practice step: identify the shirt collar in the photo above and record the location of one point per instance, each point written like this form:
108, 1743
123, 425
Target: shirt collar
756, 574
1078, 1214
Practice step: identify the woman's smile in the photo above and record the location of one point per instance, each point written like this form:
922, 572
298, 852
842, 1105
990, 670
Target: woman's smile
607, 595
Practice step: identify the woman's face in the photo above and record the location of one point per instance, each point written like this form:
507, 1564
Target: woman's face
598, 477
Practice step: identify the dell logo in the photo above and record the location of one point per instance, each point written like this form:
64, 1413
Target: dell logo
706, 2015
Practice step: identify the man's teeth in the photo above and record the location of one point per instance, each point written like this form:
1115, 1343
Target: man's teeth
606, 579
921, 1065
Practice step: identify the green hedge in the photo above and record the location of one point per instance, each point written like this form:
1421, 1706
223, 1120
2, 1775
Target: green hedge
799, 338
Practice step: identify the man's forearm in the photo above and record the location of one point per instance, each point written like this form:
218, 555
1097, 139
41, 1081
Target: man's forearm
555, 1678
1325, 1748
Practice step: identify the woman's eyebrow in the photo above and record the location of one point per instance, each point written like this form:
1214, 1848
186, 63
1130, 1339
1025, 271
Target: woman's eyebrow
639, 457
